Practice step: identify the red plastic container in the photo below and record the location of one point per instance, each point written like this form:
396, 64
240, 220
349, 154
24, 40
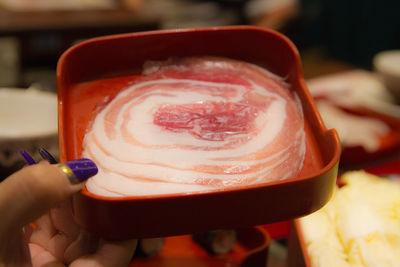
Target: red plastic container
175, 214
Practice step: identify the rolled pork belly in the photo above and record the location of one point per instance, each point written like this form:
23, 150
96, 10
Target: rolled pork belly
196, 125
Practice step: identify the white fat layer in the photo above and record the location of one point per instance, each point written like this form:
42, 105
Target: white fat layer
168, 174
114, 185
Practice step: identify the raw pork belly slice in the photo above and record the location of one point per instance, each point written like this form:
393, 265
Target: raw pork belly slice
196, 124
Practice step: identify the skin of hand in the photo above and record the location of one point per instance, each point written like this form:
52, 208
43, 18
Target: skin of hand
37, 226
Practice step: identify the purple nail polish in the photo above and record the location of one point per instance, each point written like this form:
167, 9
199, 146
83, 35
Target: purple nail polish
28, 158
47, 156
82, 169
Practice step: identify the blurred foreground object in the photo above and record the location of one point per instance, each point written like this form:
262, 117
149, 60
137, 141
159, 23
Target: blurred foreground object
149, 246
250, 250
28, 120
387, 65
360, 226
216, 242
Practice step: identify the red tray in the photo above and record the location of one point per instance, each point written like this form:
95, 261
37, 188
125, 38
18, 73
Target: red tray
176, 214
250, 250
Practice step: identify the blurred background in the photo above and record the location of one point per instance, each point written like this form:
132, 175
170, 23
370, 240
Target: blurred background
338, 41
332, 37
34, 33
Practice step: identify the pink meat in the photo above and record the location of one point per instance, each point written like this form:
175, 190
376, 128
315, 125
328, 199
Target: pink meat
209, 121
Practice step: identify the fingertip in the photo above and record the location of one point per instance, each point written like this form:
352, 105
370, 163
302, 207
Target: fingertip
78, 171
33, 190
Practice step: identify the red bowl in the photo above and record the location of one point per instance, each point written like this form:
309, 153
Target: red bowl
250, 250
174, 214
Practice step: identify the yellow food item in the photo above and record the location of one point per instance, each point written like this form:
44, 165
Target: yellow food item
360, 226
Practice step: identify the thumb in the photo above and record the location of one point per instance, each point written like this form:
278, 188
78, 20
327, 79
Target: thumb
32, 191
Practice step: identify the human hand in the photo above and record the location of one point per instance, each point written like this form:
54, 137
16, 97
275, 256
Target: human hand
37, 226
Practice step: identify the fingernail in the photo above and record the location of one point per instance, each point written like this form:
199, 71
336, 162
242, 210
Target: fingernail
79, 170
47, 156
28, 158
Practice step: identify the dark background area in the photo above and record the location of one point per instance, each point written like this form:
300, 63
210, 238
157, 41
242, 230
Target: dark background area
351, 32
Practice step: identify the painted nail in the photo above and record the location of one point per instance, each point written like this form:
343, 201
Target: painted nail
47, 156
79, 170
28, 158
